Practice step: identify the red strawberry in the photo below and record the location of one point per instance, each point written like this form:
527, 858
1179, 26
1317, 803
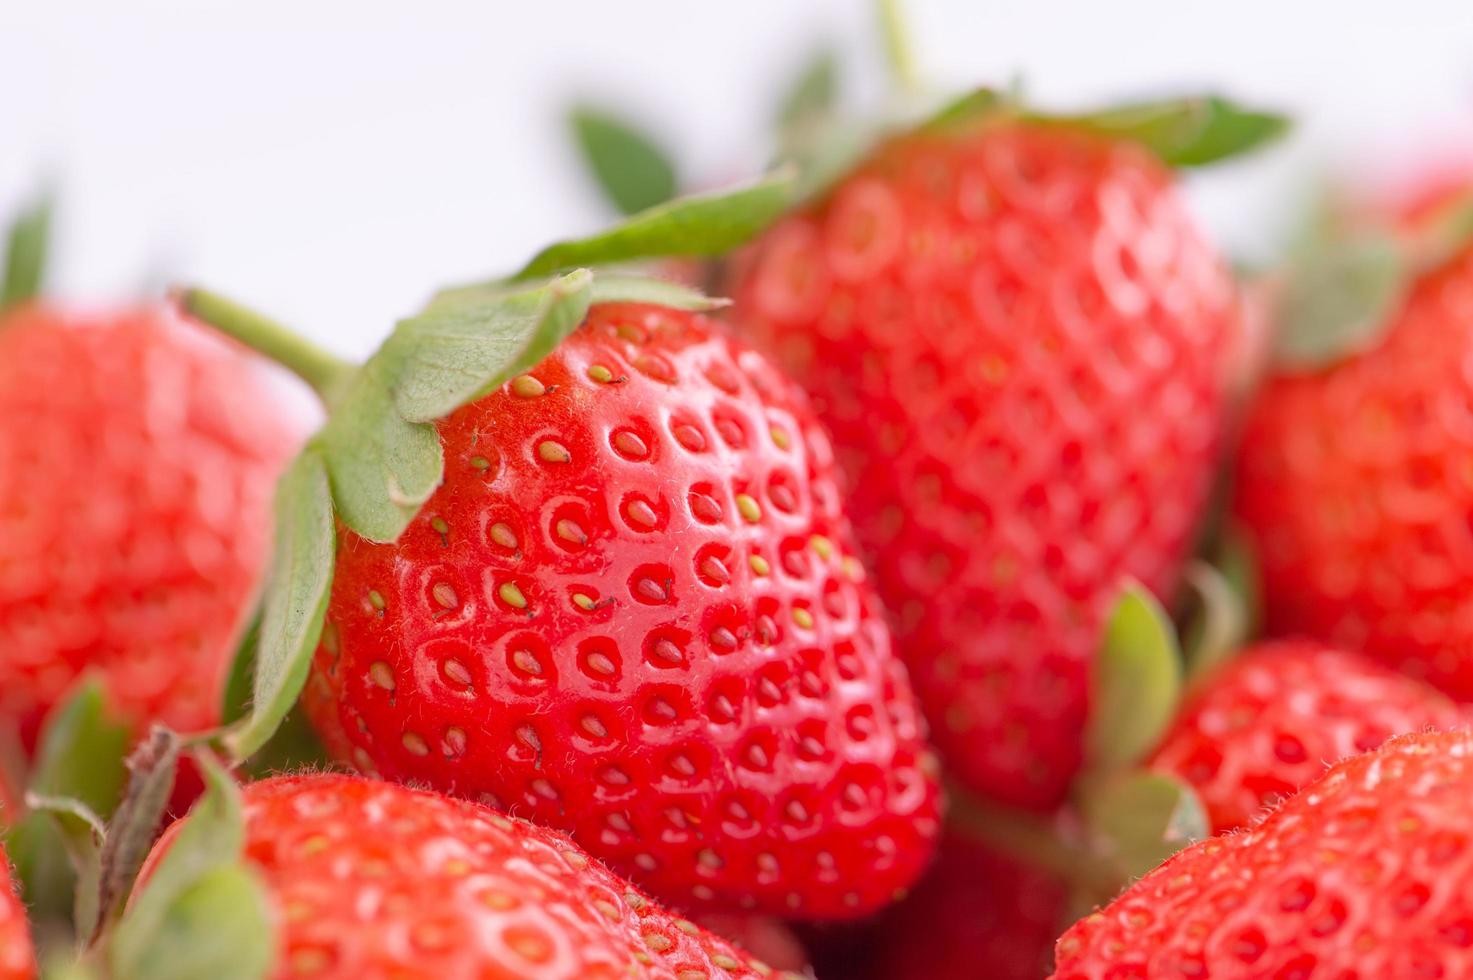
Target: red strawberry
631, 610
976, 908
17, 961
137, 459
1353, 481
1271, 720
1019, 343
1366, 872
370, 880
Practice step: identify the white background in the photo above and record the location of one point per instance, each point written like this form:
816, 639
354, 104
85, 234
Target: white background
331, 162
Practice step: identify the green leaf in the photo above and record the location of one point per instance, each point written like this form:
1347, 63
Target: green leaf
612, 288
25, 254
702, 225
1238, 566
296, 600
235, 701
1137, 683
632, 170
82, 751
1339, 298
968, 109
899, 53
1139, 819
455, 352
813, 93
1219, 625
131, 831
81, 832
1188, 132
381, 466
201, 913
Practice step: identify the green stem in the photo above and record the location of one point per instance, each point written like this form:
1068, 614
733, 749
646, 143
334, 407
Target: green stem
25, 254
1034, 840
325, 372
899, 54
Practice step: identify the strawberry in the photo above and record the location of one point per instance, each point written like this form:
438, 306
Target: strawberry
136, 468
1352, 476
1270, 721
370, 879
566, 548
1365, 872
1020, 343
17, 961
631, 610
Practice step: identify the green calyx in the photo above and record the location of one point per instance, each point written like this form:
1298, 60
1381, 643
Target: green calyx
378, 458
1346, 281
629, 165
27, 244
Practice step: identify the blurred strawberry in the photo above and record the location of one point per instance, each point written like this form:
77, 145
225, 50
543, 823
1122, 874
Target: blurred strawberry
1020, 344
17, 960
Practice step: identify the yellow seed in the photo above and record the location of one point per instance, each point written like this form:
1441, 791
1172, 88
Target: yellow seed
438, 523
527, 386
444, 594
503, 535
853, 569
657, 942
570, 531
414, 744
822, 545
511, 595
748, 507
376, 599
759, 565
381, 674
527, 663
780, 438
480, 462
724, 961
600, 374
609, 909
553, 452
803, 617
582, 601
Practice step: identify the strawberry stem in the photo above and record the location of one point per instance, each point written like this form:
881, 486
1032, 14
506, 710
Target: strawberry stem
323, 371
899, 54
25, 254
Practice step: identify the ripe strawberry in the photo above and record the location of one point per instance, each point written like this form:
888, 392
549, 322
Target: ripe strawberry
1365, 872
631, 611
136, 467
1019, 342
371, 879
1353, 480
1272, 719
17, 961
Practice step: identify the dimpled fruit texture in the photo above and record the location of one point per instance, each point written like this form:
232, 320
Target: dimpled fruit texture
1357, 481
974, 907
136, 471
17, 959
632, 612
1019, 344
375, 880
1273, 718
1366, 872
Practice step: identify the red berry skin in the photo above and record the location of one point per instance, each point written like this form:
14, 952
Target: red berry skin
372, 879
17, 956
1020, 345
632, 612
137, 464
1355, 485
1273, 718
975, 913
1366, 872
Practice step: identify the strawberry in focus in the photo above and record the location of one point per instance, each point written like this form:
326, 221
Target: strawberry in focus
137, 460
1017, 338
371, 879
632, 611
1366, 871
1273, 718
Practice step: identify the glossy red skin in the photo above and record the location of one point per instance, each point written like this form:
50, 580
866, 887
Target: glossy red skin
1366, 872
17, 956
1020, 345
788, 775
1273, 718
1355, 486
975, 913
370, 879
138, 455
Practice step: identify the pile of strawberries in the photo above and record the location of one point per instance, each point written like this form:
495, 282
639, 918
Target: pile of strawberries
996, 585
